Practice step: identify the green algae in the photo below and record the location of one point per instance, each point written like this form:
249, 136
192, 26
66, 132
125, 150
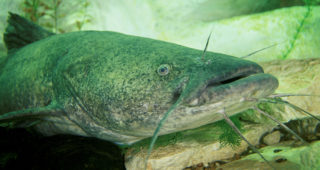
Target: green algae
307, 157
299, 29
218, 131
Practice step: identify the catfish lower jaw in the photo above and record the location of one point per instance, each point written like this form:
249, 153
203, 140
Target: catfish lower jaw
237, 89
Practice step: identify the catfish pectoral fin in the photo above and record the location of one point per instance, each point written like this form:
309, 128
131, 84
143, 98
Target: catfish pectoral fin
29, 117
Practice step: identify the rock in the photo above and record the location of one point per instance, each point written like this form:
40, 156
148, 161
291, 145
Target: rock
272, 138
258, 165
181, 155
297, 77
281, 156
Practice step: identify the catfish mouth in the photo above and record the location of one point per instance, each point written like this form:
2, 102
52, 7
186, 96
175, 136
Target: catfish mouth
219, 81
235, 86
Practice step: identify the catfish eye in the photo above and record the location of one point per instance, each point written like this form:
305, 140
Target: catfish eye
163, 70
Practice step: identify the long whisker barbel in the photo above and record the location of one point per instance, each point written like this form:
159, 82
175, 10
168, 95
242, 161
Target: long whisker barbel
289, 95
252, 53
234, 127
275, 100
206, 47
280, 123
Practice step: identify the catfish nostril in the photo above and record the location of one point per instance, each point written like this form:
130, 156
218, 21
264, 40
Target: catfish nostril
176, 96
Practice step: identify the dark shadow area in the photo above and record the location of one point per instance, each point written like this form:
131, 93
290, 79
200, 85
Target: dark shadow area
22, 149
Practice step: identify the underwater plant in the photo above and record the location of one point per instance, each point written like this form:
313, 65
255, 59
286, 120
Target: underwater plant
55, 15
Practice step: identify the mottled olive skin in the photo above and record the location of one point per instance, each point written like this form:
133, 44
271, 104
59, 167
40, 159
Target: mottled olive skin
108, 85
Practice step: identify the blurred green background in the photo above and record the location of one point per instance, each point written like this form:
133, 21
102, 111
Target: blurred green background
239, 27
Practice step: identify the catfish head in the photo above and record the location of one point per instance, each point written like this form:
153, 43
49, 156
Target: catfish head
118, 87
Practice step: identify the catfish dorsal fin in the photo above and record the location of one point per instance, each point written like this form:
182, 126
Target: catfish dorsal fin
21, 32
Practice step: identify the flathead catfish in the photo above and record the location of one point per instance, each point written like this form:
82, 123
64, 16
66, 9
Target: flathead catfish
118, 87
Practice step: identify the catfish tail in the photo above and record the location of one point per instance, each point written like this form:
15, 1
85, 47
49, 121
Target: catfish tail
21, 32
